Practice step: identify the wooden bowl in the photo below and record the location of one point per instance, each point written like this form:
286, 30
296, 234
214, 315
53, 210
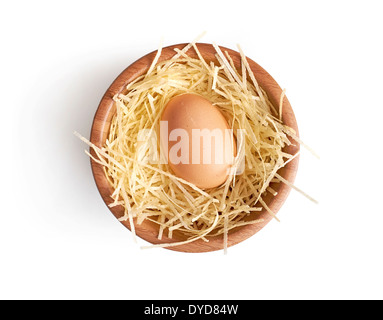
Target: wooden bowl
149, 230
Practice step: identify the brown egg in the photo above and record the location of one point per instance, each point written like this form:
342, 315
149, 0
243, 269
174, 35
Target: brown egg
197, 140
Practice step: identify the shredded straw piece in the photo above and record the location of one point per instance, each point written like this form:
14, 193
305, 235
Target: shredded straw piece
295, 188
281, 103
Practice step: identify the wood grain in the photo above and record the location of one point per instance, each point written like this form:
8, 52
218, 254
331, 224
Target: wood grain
148, 230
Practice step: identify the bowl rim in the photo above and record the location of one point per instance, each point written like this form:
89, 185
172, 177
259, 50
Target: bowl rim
149, 231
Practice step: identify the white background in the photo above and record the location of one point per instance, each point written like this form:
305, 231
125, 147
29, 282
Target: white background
57, 238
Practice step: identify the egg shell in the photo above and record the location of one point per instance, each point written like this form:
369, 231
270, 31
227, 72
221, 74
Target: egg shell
202, 160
